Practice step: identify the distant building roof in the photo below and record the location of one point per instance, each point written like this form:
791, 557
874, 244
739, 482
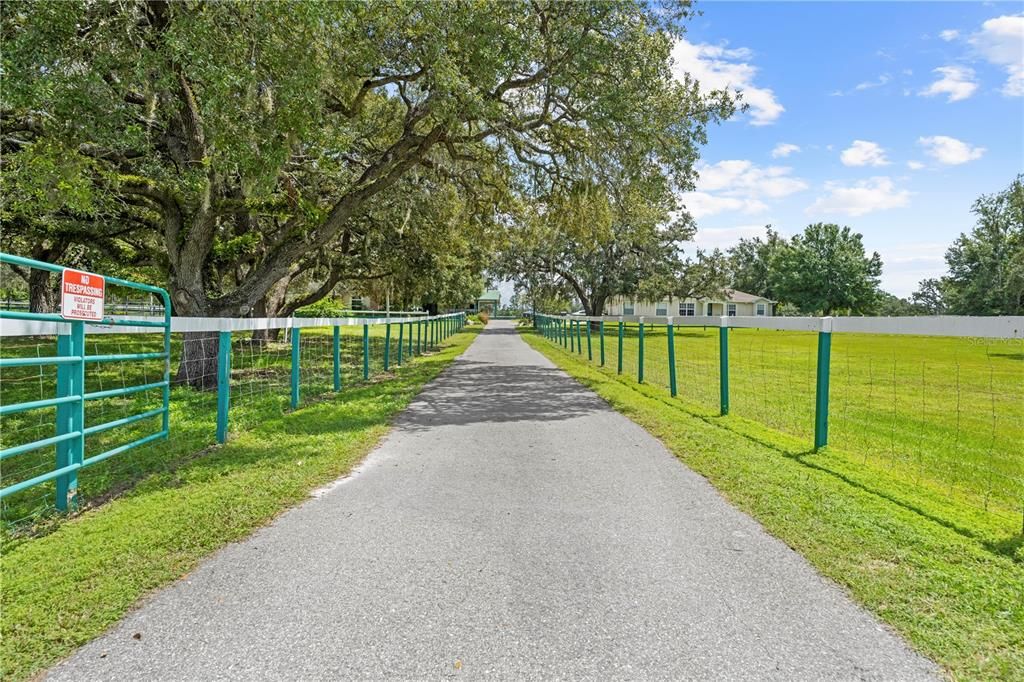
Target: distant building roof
490, 295
736, 296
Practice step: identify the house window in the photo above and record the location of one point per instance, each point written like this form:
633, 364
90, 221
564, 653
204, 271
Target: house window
709, 310
761, 310
627, 308
661, 309
357, 303
688, 309
731, 310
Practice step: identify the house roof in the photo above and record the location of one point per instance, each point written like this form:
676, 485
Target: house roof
490, 295
736, 296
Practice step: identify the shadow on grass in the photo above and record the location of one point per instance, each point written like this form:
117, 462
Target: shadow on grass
1009, 547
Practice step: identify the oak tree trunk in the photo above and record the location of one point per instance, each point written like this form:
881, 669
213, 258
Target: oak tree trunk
198, 364
41, 296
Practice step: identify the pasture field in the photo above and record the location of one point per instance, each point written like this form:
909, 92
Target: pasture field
941, 415
260, 389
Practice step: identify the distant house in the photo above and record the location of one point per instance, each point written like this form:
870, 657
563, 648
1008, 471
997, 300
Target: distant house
490, 301
731, 303
356, 301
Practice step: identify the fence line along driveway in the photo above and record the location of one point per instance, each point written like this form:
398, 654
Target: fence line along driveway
513, 526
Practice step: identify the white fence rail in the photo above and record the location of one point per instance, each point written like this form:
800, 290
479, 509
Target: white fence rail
1005, 327
204, 324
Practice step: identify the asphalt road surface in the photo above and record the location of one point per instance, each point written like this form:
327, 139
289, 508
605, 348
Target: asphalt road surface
511, 526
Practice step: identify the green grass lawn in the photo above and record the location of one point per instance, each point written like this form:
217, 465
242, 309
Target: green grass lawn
943, 415
946, 574
63, 588
260, 387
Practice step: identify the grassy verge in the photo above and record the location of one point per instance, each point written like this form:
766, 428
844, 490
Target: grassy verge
956, 596
63, 589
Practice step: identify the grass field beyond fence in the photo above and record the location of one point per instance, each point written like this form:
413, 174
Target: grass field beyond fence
942, 417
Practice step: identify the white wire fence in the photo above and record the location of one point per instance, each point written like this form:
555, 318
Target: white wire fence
933, 404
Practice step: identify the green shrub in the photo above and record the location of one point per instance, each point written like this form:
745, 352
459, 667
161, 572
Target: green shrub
323, 308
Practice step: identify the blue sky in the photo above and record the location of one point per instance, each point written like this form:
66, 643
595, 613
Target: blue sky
891, 118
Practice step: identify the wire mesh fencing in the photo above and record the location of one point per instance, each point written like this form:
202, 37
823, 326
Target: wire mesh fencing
223, 381
941, 412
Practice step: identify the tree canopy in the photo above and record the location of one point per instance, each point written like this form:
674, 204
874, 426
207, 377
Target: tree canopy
986, 266
243, 140
824, 269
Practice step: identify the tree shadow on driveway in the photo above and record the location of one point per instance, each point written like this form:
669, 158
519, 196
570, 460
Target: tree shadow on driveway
473, 392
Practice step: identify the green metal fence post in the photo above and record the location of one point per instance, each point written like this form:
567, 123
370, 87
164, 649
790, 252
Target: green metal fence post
572, 336
600, 333
821, 392
671, 359
336, 353
640, 353
295, 367
590, 352
620, 345
401, 328
65, 423
387, 346
366, 352
223, 384
411, 353
723, 367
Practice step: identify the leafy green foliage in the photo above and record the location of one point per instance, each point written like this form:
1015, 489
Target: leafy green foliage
266, 148
749, 264
823, 270
986, 266
602, 240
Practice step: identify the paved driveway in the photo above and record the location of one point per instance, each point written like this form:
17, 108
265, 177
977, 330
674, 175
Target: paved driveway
511, 526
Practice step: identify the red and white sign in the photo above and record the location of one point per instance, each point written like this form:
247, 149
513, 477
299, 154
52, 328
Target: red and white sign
81, 296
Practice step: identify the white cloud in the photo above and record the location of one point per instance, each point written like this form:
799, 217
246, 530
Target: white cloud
863, 153
717, 67
739, 185
701, 204
741, 178
956, 81
949, 150
867, 85
949, 34
1001, 42
784, 149
726, 237
865, 196
915, 165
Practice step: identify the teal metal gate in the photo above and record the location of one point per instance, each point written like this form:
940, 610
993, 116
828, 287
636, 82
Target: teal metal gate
71, 398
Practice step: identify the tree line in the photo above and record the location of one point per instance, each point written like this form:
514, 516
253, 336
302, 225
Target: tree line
826, 271
590, 246
250, 156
